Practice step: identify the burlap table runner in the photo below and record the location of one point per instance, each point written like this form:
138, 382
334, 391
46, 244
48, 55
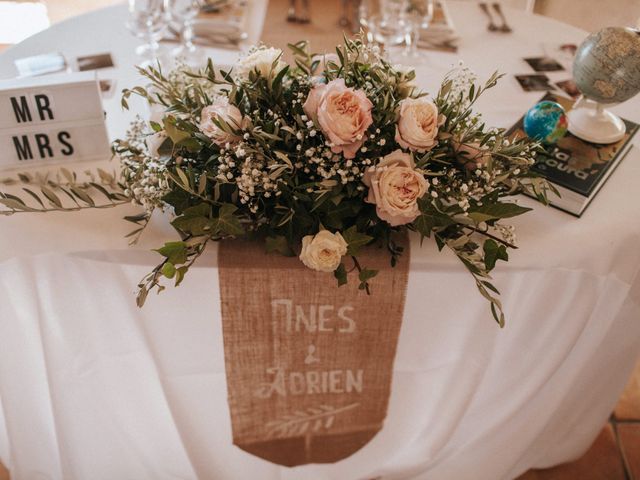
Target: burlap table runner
323, 32
309, 365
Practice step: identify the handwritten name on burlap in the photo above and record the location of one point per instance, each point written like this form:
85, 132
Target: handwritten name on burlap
309, 365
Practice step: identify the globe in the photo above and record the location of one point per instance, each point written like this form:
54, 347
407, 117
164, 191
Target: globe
606, 67
546, 122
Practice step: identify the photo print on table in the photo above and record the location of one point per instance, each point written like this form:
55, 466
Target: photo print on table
569, 87
94, 62
534, 83
107, 87
563, 53
568, 48
544, 64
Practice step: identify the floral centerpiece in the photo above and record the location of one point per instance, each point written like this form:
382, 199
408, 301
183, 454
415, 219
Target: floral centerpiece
319, 158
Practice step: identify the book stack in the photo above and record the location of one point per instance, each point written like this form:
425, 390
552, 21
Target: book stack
576, 168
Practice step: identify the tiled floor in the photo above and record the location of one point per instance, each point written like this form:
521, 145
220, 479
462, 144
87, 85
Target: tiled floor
601, 462
615, 455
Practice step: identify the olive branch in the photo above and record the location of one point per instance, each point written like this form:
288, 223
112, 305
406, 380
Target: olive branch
62, 193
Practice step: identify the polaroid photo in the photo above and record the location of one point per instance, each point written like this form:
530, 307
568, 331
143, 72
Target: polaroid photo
563, 53
107, 88
94, 62
569, 87
544, 64
568, 48
534, 83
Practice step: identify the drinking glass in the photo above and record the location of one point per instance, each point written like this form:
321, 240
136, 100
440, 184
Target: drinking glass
389, 26
184, 12
416, 18
147, 20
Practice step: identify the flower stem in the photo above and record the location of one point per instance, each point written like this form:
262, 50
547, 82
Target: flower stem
487, 234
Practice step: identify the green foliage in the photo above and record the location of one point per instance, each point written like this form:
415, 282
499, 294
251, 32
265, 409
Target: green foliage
174, 252
341, 275
494, 252
364, 276
355, 240
277, 178
279, 244
496, 211
64, 192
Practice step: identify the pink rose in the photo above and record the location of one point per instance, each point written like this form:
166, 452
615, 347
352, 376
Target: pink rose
418, 124
344, 114
220, 109
395, 187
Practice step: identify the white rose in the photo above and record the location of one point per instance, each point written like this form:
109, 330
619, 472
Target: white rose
418, 124
220, 109
262, 59
323, 252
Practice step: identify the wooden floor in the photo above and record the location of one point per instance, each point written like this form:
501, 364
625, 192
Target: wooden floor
615, 455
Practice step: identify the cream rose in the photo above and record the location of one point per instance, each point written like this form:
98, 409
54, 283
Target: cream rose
220, 109
324, 251
344, 114
395, 187
418, 123
266, 61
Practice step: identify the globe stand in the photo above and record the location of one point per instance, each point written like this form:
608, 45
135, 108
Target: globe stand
590, 121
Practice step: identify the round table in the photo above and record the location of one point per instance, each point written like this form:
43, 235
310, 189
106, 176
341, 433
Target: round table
93, 388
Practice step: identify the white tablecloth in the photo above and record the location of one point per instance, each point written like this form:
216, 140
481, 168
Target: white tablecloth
93, 388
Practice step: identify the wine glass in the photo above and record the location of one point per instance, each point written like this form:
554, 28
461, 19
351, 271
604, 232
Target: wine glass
147, 20
388, 24
184, 12
416, 18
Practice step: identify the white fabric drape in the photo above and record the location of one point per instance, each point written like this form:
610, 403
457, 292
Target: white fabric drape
93, 388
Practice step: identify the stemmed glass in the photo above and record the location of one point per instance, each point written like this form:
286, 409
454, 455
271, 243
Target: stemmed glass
184, 12
416, 18
384, 27
147, 20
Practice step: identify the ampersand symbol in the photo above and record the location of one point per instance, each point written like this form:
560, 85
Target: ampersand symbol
311, 357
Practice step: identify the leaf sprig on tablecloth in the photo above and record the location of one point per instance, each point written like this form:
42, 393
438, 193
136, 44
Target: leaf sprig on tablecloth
64, 192
320, 158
